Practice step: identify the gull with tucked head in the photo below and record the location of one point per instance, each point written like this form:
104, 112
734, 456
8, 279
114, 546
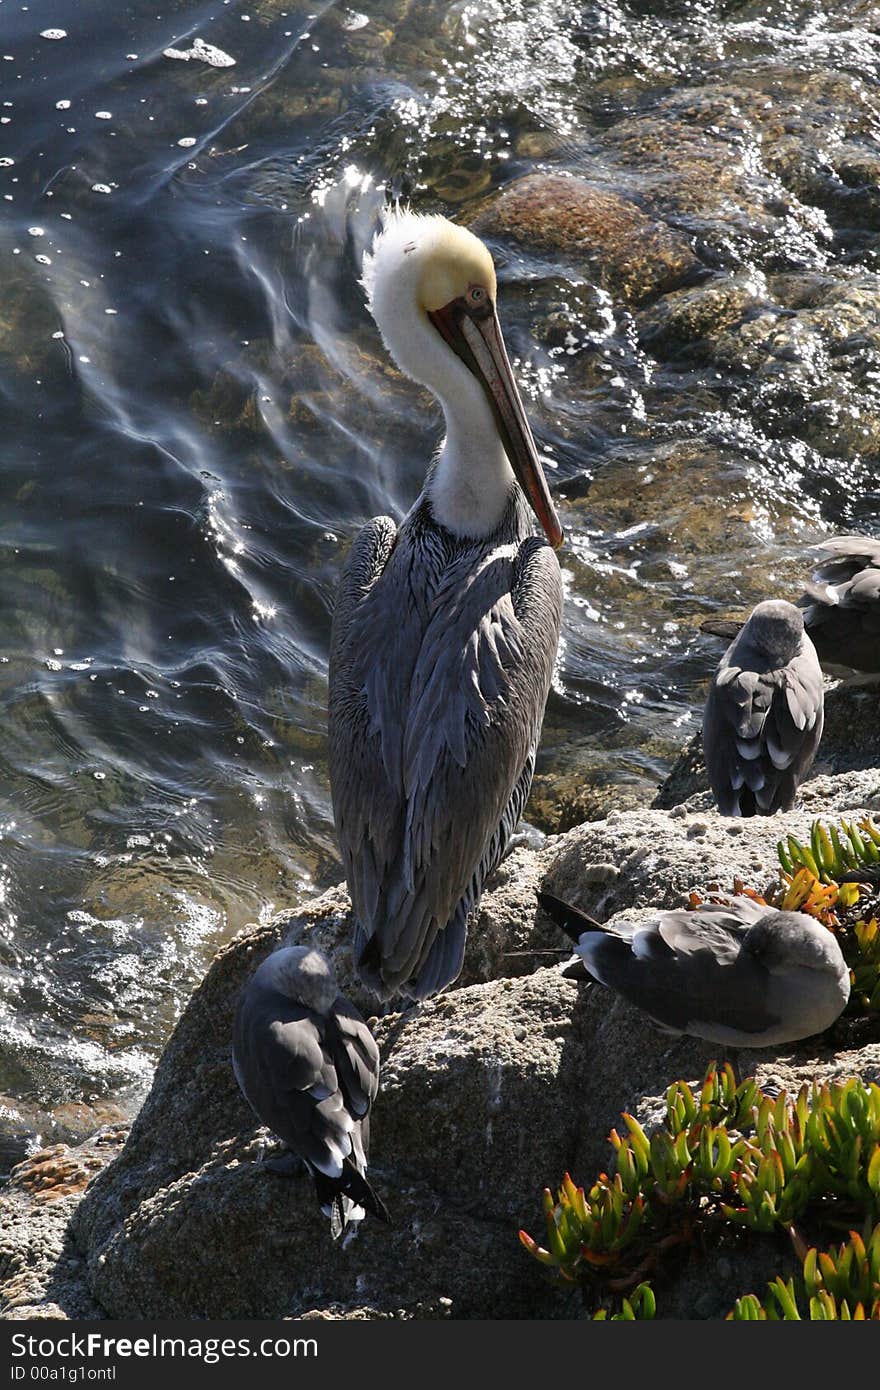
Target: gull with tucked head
308, 1065
842, 605
743, 974
445, 628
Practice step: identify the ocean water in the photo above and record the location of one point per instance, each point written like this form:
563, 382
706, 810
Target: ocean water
198, 415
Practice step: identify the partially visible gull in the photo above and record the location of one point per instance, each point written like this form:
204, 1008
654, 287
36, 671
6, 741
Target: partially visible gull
842, 608
764, 714
743, 974
309, 1067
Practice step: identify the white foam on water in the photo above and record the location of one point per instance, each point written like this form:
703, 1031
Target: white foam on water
203, 53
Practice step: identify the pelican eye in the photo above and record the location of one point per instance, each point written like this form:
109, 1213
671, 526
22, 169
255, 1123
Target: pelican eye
477, 299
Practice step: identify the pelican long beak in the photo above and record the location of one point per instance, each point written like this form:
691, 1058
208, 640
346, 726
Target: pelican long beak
480, 345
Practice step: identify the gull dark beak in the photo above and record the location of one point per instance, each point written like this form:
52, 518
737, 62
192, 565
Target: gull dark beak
477, 339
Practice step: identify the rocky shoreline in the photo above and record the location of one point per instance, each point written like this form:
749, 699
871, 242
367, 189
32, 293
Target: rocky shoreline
488, 1094
712, 220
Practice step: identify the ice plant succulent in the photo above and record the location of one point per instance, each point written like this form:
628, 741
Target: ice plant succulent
640, 1306
865, 962
832, 854
811, 875
804, 892
727, 1157
837, 1285
809, 883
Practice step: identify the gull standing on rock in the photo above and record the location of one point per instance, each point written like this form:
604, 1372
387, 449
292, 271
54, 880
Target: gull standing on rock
308, 1065
744, 974
445, 629
763, 718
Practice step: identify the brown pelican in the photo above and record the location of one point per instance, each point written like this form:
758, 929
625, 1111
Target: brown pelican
309, 1067
445, 629
763, 718
744, 974
841, 607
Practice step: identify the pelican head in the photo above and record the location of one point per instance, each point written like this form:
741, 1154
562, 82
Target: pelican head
431, 288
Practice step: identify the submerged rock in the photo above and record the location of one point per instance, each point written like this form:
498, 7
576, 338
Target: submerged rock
41, 1273
774, 182
633, 255
688, 320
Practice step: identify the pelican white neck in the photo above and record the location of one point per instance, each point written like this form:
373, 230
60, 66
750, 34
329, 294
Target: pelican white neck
417, 265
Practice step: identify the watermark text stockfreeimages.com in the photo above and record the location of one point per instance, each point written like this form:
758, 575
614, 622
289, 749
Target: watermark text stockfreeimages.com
30, 1353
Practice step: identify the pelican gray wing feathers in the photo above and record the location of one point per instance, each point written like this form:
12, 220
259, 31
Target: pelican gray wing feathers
743, 974
763, 718
440, 669
309, 1067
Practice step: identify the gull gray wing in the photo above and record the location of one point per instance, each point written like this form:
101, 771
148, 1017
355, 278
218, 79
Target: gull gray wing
863, 592
289, 1077
710, 927
844, 619
843, 556
688, 971
761, 730
355, 1056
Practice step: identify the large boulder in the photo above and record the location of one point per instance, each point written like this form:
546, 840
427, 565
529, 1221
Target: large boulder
489, 1093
